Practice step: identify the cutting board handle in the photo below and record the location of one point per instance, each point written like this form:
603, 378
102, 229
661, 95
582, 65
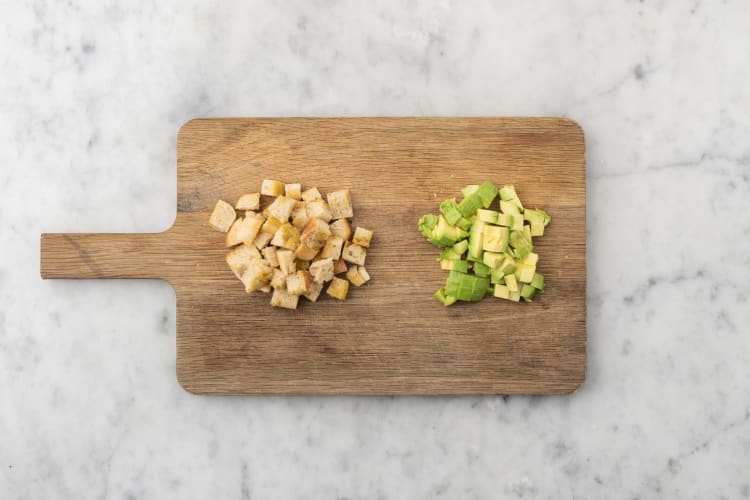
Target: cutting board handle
103, 255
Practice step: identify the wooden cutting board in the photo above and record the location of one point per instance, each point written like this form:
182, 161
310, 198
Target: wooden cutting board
390, 336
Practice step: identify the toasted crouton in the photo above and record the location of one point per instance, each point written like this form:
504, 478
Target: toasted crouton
311, 194
354, 254
332, 248
298, 283
278, 279
248, 202
299, 215
338, 289
271, 225
257, 274
262, 240
286, 261
304, 252
287, 236
265, 289
281, 208
319, 209
239, 257
244, 230
313, 292
293, 190
341, 228
322, 270
269, 253
315, 234
362, 237
358, 275
281, 298
302, 265
340, 203
222, 216
272, 188
339, 266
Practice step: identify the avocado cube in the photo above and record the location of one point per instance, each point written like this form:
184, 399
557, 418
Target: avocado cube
537, 229
507, 192
497, 277
449, 209
505, 220
508, 266
489, 216
446, 234
464, 223
480, 269
528, 292
444, 299
461, 247
527, 232
470, 205
466, 287
495, 238
524, 273
538, 281
531, 259
493, 259
487, 192
454, 265
475, 241
501, 292
510, 208
534, 215
514, 296
511, 283
517, 222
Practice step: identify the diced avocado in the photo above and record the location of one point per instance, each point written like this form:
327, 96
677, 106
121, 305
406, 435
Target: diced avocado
517, 222
505, 220
527, 232
488, 216
470, 205
528, 292
445, 234
461, 247
537, 229
524, 273
454, 265
466, 287
538, 281
508, 266
531, 259
497, 277
508, 207
511, 283
487, 192
534, 215
469, 190
519, 239
501, 292
514, 296
507, 192
464, 223
449, 209
475, 241
427, 224
492, 259
444, 299
449, 254
495, 238
480, 269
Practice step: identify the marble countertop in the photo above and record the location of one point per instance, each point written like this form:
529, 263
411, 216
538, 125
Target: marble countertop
91, 97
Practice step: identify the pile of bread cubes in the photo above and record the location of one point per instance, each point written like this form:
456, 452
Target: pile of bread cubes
296, 244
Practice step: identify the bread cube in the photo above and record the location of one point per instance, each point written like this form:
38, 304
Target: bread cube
362, 237
299, 215
281, 208
293, 191
287, 236
271, 188
358, 275
322, 270
339, 266
286, 261
313, 292
257, 274
315, 234
338, 289
311, 194
248, 202
239, 257
281, 298
332, 248
319, 209
271, 225
262, 240
341, 228
298, 283
222, 217
340, 203
269, 253
244, 230
354, 254
304, 252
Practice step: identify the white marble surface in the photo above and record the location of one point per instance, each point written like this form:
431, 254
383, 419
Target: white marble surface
91, 96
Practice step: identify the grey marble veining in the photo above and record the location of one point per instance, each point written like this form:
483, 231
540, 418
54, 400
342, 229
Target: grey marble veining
91, 97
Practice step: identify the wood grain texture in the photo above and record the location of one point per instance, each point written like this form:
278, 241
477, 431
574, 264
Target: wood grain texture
390, 336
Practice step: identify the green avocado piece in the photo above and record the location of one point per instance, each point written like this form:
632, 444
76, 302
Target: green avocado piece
507, 192
481, 270
475, 241
514, 296
508, 266
487, 192
505, 220
470, 205
450, 254
538, 281
534, 215
511, 283
510, 208
497, 277
495, 238
446, 234
528, 292
524, 273
444, 299
454, 265
464, 223
449, 209
493, 259
469, 190
501, 292
488, 216
466, 287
